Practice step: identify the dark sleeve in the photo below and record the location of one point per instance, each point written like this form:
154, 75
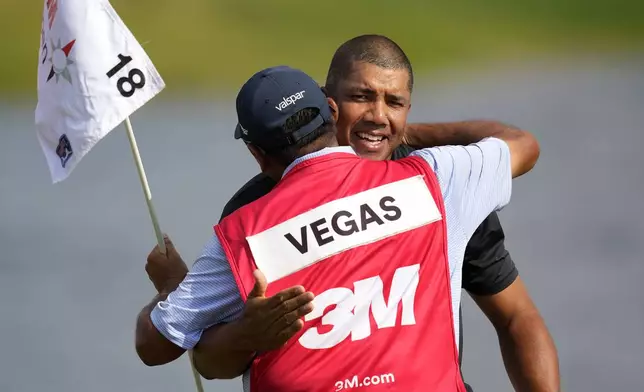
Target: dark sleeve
255, 188
401, 151
487, 266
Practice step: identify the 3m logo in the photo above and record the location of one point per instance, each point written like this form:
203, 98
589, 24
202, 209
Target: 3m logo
350, 317
343, 224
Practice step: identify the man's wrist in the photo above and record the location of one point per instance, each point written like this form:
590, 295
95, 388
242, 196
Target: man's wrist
161, 296
169, 287
149, 308
240, 334
425, 135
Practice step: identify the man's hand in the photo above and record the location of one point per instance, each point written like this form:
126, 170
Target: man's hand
270, 322
166, 271
225, 351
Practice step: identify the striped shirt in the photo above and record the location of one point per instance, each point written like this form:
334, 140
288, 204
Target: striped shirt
475, 180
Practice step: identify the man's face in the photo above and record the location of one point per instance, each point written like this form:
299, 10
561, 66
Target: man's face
373, 104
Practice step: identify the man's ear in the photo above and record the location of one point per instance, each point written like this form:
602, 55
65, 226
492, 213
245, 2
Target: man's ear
334, 108
259, 155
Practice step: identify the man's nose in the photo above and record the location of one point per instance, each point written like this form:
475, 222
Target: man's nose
377, 113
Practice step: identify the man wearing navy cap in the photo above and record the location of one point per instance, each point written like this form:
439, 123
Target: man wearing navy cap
377, 224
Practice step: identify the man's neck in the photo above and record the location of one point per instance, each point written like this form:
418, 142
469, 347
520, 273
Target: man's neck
276, 174
319, 152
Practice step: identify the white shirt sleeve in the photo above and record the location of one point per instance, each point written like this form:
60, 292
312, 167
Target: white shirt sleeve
476, 179
207, 296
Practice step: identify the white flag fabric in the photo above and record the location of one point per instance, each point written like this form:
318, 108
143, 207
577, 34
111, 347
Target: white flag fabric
92, 74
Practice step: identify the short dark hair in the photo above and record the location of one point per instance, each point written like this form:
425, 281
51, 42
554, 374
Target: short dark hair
314, 141
370, 48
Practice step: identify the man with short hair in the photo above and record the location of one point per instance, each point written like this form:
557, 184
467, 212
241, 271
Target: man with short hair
403, 224
371, 80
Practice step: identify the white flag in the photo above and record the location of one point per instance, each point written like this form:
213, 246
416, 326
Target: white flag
92, 74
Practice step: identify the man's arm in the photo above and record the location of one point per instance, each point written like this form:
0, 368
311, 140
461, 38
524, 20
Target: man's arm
220, 354
166, 271
208, 297
152, 347
529, 353
475, 180
222, 349
524, 148
491, 279
173, 322
226, 350
455, 133
528, 350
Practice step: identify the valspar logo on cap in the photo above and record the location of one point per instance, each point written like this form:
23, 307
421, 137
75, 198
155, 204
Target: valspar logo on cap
288, 101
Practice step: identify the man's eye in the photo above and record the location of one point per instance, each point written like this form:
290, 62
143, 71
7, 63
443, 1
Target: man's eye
359, 97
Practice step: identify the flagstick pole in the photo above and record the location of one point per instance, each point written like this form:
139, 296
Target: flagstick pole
144, 184
155, 221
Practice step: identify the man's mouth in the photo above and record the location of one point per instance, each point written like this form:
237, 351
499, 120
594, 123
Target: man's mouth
369, 142
369, 137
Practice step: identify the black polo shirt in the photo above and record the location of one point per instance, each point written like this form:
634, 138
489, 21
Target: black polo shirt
487, 266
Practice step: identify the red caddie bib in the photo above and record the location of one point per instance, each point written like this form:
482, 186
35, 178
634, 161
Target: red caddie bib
368, 238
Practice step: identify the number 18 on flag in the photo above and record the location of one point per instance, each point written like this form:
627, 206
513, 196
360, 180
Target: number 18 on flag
127, 85
92, 75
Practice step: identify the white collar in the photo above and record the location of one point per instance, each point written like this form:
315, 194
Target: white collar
319, 153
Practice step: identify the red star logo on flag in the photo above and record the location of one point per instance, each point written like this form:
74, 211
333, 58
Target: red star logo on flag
60, 61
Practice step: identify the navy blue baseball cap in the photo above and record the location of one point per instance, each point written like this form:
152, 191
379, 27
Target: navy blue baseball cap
269, 98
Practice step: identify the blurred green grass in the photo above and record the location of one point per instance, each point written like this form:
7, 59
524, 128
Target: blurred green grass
217, 44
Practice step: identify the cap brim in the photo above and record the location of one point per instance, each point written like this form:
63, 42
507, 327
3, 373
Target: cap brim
238, 131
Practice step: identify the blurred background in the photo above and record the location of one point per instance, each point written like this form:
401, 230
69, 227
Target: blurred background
572, 71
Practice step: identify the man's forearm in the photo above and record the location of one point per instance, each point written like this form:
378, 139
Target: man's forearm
523, 146
529, 354
152, 347
220, 353
459, 133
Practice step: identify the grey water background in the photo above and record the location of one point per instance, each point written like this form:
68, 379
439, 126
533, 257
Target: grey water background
72, 255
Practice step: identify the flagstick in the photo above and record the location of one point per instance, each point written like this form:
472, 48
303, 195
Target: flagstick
144, 184
195, 374
155, 221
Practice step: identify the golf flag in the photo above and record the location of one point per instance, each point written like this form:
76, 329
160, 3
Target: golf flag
92, 75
